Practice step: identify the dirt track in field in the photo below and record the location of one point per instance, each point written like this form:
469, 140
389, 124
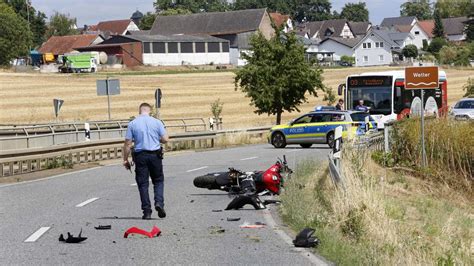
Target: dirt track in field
27, 98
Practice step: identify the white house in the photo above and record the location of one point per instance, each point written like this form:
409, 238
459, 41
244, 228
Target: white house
339, 46
282, 20
408, 25
320, 30
379, 46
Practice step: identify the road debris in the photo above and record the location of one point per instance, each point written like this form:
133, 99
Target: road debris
215, 229
72, 239
254, 238
216, 210
305, 239
267, 202
103, 227
233, 219
155, 231
242, 200
251, 226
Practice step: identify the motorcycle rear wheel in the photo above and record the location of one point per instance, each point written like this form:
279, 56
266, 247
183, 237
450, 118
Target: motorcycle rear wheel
206, 181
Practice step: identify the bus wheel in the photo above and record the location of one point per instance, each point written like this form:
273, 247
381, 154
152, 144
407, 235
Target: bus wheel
278, 140
330, 139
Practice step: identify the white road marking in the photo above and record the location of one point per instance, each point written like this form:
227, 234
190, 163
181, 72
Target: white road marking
196, 169
36, 235
249, 158
133, 185
86, 202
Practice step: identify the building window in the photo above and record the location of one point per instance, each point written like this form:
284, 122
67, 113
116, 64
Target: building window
225, 47
147, 48
187, 47
417, 33
367, 45
159, 48
381, 58
366, 58
378, 44
213, 47
200, 47
381, 44
173, 47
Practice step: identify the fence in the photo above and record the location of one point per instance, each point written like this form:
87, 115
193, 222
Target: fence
14, 137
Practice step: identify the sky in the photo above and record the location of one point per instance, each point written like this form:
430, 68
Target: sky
92, 11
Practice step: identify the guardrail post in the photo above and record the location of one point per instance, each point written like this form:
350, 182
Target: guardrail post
386, 133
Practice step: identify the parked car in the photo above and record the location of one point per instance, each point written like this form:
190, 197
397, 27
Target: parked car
318, 127
344, 63
463, 110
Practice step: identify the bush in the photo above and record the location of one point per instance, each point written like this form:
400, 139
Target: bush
436, 45
449, 150
447, 55
462, 56
216, 108
425, 45
410, 51
469, 88
348, 59
329, 96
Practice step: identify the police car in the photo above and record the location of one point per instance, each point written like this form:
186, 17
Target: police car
318, 127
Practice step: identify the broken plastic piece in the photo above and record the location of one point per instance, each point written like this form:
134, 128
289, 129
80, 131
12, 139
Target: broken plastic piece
305, 239
266, 202
216, 210
247, 225
155, 231
103, 227
233, 219
72, 239
240, 201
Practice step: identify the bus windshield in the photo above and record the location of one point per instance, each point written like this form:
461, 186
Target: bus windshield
376, 92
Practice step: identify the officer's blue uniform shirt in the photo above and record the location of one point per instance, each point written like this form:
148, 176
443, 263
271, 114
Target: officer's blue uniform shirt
146, 132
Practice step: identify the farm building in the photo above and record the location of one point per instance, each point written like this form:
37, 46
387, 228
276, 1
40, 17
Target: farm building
112, 27
59, 45
234, 26
169, 50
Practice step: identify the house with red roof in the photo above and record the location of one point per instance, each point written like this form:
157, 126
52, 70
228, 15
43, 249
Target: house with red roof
281, 20
60, 45
112, 27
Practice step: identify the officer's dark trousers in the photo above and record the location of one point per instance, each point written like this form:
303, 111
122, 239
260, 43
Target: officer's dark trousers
149, 165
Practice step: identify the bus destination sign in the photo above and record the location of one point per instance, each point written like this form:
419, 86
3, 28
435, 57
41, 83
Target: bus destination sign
373, 81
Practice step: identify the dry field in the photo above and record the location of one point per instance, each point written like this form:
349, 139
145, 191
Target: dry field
27, 98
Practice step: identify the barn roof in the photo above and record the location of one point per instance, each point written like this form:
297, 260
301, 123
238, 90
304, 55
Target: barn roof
212, 23
58, 45
114, 27
395, 21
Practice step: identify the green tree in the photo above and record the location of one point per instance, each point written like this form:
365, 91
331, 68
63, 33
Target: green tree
311, 10
169, 7
282, 6
37, 19
61, 25
410, 51
438, 30
277, 76
469, 30
355, 12
436, 45
147, 21
454, 8
462, 56
421, 9
15, 38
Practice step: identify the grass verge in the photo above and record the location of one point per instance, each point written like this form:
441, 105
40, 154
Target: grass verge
381, 217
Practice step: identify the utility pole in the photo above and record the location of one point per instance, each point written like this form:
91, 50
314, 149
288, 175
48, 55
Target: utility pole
28, 18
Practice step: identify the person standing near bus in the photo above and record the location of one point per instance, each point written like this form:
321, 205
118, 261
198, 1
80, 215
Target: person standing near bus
362, 107
340, 105
148, 133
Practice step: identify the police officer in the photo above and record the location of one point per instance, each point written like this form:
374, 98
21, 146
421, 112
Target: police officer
148, 134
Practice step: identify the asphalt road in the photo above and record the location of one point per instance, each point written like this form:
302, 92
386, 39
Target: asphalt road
40, 211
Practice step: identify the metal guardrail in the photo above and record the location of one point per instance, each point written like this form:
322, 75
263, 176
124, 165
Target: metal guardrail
22, 161
378, 141
35, 136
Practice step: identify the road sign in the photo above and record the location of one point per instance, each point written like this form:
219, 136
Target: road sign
417, 78
337, 142
58, 103
421, 78
108, 87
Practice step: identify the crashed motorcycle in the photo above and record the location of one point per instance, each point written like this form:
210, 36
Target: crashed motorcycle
248, 186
